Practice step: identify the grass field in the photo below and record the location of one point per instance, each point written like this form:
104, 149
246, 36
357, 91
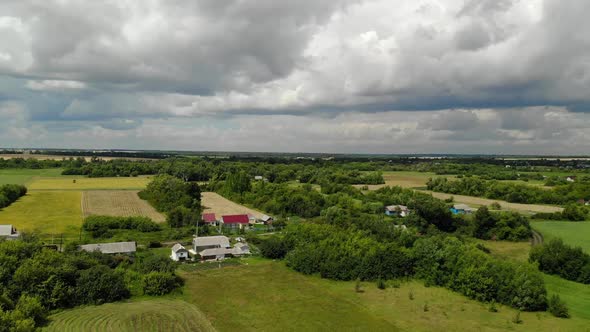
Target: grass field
405, 179
572, 233
576, 295
24, 176
48, 212
215, 203
83, 183
271, 297
147, 315
118, 203
518, 251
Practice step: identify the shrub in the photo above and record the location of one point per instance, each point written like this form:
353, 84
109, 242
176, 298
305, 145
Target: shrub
159, 283
381, 284
557, 307
99, 284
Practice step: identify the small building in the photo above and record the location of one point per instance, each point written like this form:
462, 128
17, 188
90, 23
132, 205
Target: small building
571, 178
209, 218
258, 178
266, 219
462, 209
114, 248
397, 210
215, 254
179, 253
9, 232
236, 221
210, 242
241, 249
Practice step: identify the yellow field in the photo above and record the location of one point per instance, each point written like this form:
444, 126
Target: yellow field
83, 183
118, 203
47, 212
215, 203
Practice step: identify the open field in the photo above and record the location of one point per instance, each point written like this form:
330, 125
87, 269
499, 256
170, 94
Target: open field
24, 176
147, 315
404, 179
84, 183
48, 212
518, 251
56, 157
215, 203
574, 233
118, 203
271, 297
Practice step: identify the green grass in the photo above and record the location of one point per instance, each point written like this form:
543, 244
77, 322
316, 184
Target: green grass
84, 183
24, 176
49, 212
264, 295
572, 233
145, 315
575, 295
518, 251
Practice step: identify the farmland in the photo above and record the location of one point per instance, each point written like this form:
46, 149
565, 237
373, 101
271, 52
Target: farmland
50, 212
572, 233
215, 203
145, 315
59, 157
117, 203
84, 183
308, 303
24, 176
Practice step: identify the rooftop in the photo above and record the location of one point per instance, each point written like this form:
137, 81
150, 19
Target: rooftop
206, 241
111, 248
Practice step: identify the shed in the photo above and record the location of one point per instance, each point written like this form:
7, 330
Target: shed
209, 217
216, 253
397, 210
8, 232
462, 209
179, 253
267, 219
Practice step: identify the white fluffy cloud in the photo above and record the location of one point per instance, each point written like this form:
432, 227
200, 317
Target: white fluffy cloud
421, 76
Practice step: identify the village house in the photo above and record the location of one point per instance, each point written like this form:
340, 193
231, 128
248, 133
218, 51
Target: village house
114, 248
8, 232
210, 242
179, 253
397, 210
462, 209
236, 221
209, 218
266, 219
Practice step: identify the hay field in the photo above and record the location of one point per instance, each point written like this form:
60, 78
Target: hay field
84, 183
271, 297
118, 203
215, 203
47, 212
148, 315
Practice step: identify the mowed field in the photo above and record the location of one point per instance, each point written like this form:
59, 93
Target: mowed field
47, 212
84, 183
147, 315
24, 176
215, 203
118, 203
574, 233
271, 297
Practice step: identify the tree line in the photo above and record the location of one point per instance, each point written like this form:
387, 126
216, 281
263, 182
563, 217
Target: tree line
9, 193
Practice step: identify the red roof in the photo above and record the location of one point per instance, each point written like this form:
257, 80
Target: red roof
209, 217
236, 219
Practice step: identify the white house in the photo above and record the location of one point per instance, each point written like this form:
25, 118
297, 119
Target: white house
179, 253
8, 232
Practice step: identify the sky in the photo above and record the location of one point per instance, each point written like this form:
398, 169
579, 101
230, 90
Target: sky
340, 76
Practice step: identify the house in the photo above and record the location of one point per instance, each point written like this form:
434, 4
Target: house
179, 253
571, 178
9, 232
239, 249
210, 242
462, 209
236, 221
209, 218
114, 248
397, 210
266, 219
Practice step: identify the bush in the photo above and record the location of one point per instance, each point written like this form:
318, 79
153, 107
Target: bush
99, 226
159, 283
274, 247
555, 257
557, 307
381, 284
99, 284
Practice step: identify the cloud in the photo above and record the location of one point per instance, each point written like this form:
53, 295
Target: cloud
54, 85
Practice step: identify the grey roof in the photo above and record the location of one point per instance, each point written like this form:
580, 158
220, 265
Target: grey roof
111, 248
7, 230
462, 207
215, 252
393, 208
178, 247
207, 241
265, 217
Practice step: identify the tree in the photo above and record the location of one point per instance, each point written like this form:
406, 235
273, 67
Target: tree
99, 284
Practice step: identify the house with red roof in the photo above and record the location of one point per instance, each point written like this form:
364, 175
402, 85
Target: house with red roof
236, 221
209, 218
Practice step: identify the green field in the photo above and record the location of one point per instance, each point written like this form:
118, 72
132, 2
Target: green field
48, 212
573, 233
147, 315
24, 176
83, 183
267, 296
576, 295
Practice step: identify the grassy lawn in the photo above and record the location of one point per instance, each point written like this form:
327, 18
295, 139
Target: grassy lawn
267, 296
84, 183
49, 212
24, 176
144, 315
575, 295
572, 233
518, 251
